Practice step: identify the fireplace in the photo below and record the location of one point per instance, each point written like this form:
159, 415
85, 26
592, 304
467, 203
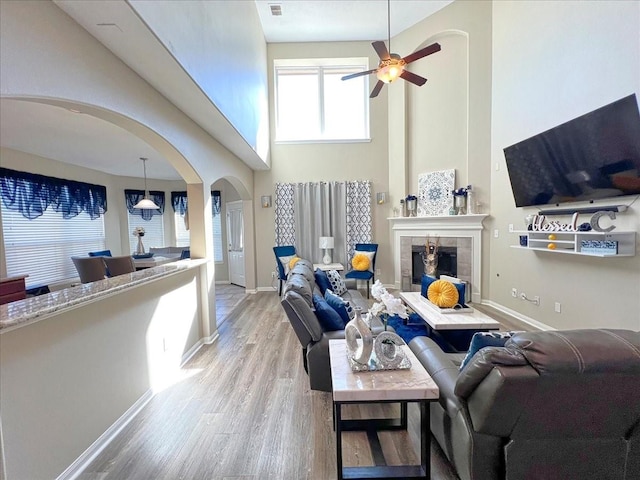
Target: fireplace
447, 262
460, 236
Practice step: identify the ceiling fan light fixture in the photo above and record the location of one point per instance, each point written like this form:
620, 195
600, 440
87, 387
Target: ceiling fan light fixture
146, 203
390, 70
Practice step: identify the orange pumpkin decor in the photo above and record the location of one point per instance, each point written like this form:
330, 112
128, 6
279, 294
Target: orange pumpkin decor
360, 262
443, 294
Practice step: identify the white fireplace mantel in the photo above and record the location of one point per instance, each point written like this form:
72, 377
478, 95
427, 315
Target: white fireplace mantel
465, 226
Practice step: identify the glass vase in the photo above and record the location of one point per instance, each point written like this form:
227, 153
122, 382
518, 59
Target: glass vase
140, 246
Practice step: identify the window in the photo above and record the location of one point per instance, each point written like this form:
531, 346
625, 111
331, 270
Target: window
182, 234
153, 231
217, 238
43, 247
216, 210
314, 104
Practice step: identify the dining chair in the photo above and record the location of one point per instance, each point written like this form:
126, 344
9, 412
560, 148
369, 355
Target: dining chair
101, 253
283, 251
90, 269
119, 265
369, 274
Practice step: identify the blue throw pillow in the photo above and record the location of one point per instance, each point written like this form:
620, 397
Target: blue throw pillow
322, 280
339, 305
427, 280
327, 316
484, 339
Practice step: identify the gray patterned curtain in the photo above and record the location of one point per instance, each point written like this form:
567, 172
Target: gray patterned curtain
304, 212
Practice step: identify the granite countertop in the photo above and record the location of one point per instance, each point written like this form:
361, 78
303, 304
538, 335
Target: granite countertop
23, 312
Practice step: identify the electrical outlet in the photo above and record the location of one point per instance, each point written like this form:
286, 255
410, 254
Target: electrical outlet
378, 272
523, 295
536, 301
511, 228
496, 233
274, 274
558, 308
514, 292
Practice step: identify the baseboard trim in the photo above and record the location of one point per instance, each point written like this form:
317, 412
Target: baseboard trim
266, 289
223, 282
78, 466
517, 315
82, 462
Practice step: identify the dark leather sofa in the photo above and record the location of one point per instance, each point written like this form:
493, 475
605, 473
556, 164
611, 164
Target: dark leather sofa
548, 405
298, 305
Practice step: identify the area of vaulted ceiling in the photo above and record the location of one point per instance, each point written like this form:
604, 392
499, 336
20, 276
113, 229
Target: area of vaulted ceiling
207, 58
221, 46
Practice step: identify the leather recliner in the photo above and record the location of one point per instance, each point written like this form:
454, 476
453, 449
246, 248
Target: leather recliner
548, 405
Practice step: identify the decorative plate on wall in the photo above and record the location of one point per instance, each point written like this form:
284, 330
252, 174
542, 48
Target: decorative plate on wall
434, 193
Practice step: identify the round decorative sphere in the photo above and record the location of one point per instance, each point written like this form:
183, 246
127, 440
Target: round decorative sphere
443, 294
551, 246
551, 237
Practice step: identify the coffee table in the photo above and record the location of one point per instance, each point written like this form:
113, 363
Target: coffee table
388, 386
452, 331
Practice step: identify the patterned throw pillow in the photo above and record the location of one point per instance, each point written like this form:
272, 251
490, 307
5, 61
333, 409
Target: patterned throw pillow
343, 308
485, 339
337, 283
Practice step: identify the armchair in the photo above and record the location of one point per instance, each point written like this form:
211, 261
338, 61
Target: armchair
282, 251
90, 269
368, 275
549, 405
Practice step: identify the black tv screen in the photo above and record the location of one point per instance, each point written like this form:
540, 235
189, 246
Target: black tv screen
594, 156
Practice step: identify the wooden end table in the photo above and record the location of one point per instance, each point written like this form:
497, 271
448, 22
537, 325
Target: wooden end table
386, 386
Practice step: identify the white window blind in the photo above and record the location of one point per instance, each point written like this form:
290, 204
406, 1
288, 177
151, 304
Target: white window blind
153, 232
217, 238
182, 234
42, 248
314, 104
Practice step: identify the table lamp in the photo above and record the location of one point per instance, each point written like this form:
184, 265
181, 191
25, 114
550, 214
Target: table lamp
326, 243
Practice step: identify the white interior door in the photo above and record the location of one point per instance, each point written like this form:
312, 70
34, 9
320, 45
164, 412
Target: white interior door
235, 243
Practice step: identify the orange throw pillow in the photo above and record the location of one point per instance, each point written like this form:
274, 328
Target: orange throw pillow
443, 294
360, 262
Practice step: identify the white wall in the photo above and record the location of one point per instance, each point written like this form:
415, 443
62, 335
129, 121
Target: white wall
312, 162
554, 61
67, 378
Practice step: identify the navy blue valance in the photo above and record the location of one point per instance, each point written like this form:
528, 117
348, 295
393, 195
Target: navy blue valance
32, 194
132, 198
179, 202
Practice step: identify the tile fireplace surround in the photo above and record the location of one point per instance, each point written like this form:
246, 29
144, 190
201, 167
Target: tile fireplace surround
463, 231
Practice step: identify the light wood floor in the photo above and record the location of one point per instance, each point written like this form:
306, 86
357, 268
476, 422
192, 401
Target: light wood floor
246, 412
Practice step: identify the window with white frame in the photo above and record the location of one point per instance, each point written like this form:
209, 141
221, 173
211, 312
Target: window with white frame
312, 103
43, 247
217, 237
153, 231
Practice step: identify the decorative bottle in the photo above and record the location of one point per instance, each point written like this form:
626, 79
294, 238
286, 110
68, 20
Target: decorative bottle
471, 201
359, 352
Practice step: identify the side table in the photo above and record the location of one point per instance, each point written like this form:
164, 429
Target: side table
328, 266
387, 386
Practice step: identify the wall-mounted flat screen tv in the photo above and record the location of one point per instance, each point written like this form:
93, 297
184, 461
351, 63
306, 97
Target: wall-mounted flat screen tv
594, 156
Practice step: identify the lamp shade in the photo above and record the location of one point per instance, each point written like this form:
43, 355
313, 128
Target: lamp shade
146, 204
326, 242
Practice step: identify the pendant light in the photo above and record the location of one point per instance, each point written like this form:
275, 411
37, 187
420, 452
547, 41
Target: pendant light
146, 203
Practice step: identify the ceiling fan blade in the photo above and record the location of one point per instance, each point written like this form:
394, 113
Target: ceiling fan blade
412, 57
376, 89
413, 78
359, 74
381, 50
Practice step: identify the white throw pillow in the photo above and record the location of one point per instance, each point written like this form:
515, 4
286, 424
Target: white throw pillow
285, 263
337, 283
368, 254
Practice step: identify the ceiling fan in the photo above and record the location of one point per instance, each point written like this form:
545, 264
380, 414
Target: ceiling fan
391, 66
